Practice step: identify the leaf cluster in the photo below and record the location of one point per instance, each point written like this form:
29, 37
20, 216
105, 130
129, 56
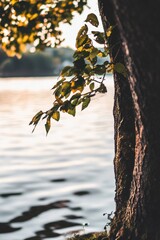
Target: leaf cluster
79, 83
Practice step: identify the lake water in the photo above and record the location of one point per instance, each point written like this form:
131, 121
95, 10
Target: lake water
51, 186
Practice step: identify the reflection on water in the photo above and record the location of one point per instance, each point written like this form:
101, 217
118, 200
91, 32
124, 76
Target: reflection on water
52, 185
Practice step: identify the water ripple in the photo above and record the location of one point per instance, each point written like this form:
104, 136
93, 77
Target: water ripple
51, 185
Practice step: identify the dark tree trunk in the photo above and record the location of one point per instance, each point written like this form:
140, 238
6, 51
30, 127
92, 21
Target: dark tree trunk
137, 175
123, 118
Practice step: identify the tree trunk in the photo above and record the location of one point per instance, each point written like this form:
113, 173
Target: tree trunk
123, 119
137, 25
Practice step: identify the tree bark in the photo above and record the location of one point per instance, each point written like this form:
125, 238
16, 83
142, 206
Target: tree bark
137, 25
123, 118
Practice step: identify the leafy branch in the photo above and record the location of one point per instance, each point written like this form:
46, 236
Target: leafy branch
79, 83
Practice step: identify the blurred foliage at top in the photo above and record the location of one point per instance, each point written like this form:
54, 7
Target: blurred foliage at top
34, 22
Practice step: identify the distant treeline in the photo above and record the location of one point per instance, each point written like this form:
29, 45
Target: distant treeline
46, 63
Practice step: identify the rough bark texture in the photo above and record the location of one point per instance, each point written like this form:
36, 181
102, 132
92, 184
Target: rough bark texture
138, 25
123, 118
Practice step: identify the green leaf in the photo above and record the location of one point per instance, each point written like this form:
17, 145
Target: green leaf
67, 71
120, 68
92, 18
48, 125
81, 41
57, 91
58, 83
99, 37
65, 106
36, 118
56, 116
66, 88
75, 98
72, 112
102, 88
93, 60
77, 95
82, 32
91, 86
88, 69
75, 101
100, 69
80, 64
78, 85
80, 54
93, 53
86, 102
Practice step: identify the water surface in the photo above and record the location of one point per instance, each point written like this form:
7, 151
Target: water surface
50, 186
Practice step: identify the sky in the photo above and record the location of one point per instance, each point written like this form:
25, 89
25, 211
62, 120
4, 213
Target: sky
70, 32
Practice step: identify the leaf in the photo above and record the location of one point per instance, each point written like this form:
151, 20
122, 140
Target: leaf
102, 88
120, 68
82, 33
75, 101
83, 30
92, 18
99, 37
66, 88
81, 41
93, 53
78, 85
77, 95
88, 69
93, 60
58, 83
80, 64
65, 106
67, 71
109, 31
110, 68
36, 118
86, 102
48, 125
101, 54
75, 98
91, 86
56, 116
72, 112
57, 91
80, 54
100, 69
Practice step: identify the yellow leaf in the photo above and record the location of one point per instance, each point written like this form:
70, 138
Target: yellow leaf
25, 38
100, 54
109, 31
73, 83
110, 68
33, 1
33, 16
13, 2
22, 48
56, 116
61, 10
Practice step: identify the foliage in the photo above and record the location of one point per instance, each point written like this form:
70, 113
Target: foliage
25, 22
38, 22
79, 83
